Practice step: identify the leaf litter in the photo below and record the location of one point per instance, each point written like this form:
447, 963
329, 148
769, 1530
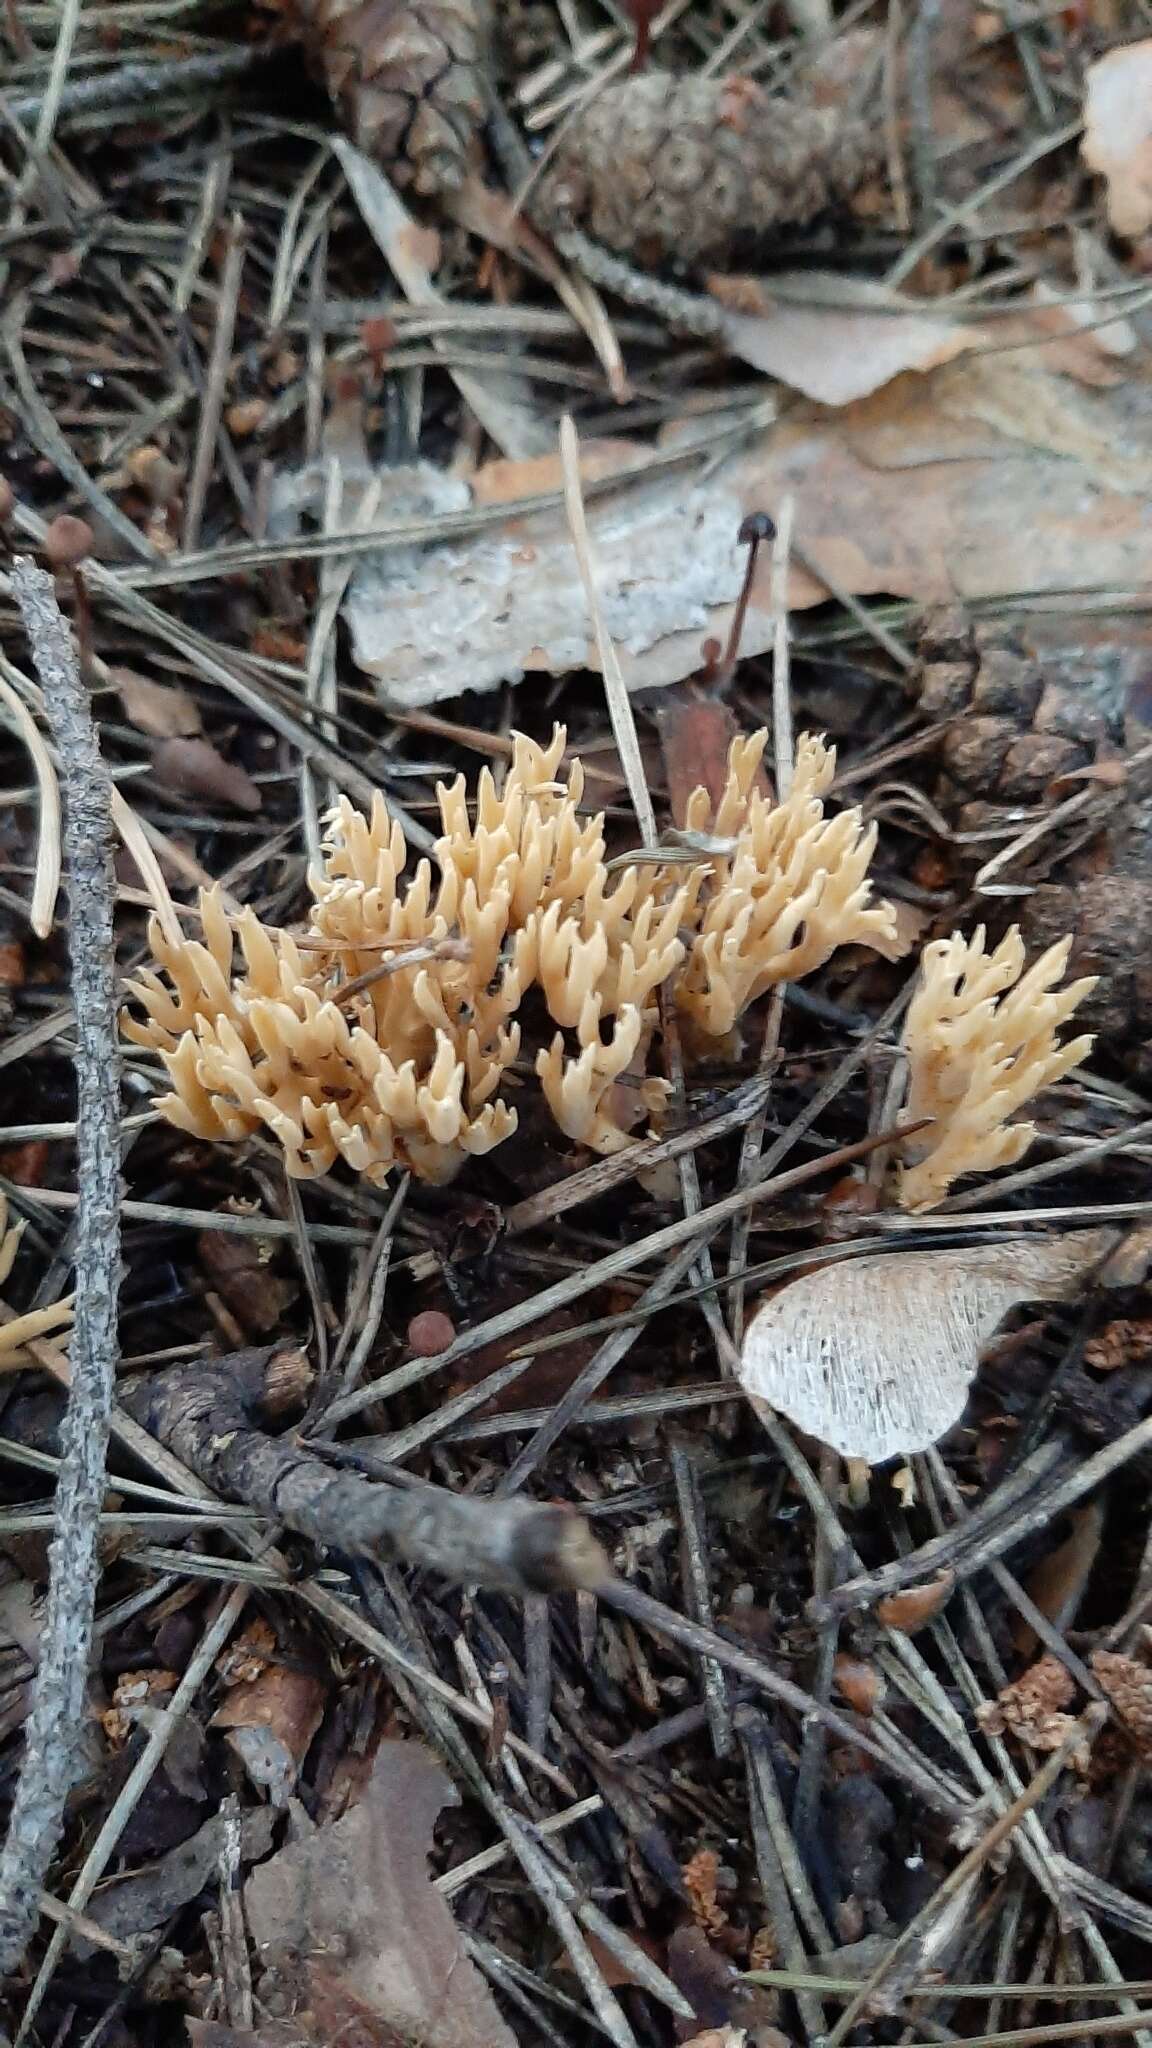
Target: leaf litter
770, 1741
348, 1927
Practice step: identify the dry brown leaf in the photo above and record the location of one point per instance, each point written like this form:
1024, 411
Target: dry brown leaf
1076, 339
875, 1356
915, 1606
195, 768
351, 1911
504, 481
859, 1683
241, 1273
1118, 133
271, 1721
899, 495
1057, 1585
163, 710
835, 339
696, 734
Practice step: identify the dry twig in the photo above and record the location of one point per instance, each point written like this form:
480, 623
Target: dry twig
61, 1683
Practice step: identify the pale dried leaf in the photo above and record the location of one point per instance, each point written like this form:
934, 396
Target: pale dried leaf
875, 1356
1118, 133
355, 1904
837, 339
163, 710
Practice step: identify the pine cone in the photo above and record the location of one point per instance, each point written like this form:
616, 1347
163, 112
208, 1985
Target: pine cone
409, 77
1017, 729
684, 168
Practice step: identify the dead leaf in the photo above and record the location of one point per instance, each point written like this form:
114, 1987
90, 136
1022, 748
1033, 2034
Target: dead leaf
721, 1998
163, 710
193, 767
915, 1606
898, 495
240, 1271
1118, 133
695, 735
148, 1897
353, 1904
1075, 337
272, 1720
1057, 1585
612, 1967
875, 1355
859, 1683
836, 338
503, 481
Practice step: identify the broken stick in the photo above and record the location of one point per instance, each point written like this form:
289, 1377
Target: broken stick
59, 1704
209, 1414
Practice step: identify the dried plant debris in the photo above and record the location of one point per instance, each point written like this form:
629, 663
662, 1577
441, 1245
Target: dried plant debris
351, 1934
684, 168
410, 79
382, 1036
875, 1355
1127, 1683
1034, 1708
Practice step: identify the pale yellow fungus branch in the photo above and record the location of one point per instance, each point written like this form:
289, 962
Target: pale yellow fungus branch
981, 1040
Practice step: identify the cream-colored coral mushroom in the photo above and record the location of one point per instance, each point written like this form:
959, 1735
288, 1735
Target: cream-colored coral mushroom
794, 887
18, 1331
579, 1091
981, 1041
383, 1036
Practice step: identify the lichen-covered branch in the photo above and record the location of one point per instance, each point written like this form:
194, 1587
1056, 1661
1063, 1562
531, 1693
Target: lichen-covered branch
210, 1415
59, 1700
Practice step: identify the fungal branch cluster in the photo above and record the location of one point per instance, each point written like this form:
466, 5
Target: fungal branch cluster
384, 1033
